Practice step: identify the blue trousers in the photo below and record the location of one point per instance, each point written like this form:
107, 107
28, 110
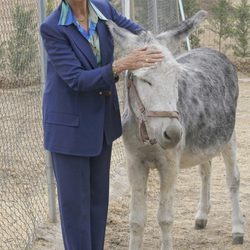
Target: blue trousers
83, 194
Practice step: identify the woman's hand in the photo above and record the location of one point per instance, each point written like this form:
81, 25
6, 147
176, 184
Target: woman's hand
139, 58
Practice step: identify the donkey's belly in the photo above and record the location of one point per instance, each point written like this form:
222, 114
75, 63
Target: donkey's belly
190, 159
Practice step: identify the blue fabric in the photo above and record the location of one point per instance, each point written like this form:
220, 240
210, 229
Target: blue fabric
83, 194
67, 18
75, 115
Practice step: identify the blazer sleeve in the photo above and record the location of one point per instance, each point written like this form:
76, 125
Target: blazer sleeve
68, 66
124, 22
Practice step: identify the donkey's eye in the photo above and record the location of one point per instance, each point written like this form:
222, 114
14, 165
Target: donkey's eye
146, 81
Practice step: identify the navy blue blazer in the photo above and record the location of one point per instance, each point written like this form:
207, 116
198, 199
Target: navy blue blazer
76, 115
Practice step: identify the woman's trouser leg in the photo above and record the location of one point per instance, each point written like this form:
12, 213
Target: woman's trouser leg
99, 177
83, 188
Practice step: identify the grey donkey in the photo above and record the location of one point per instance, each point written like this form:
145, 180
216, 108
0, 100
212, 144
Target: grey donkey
178, 114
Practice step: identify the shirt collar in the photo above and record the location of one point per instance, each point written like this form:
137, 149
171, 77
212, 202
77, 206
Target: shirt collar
67, 17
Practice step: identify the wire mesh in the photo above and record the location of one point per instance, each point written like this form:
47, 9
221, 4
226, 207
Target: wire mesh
23, 196
23, 199
160, 13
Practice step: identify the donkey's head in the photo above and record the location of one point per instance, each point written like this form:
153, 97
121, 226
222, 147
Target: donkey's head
157, 86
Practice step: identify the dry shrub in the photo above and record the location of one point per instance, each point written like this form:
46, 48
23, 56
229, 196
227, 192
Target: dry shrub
10, 82
242, 65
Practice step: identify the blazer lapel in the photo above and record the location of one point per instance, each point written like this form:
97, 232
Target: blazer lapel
106, 42
82, 44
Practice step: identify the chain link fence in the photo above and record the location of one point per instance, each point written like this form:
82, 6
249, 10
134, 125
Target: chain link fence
23, 185
23, 197
156, 16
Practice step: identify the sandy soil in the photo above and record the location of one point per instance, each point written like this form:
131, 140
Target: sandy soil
216, 236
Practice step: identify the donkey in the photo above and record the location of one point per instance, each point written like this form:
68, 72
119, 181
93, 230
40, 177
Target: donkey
178, 114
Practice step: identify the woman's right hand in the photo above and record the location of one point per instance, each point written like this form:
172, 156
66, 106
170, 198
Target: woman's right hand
139, 58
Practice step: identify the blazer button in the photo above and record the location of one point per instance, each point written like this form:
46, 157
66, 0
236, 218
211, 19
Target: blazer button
100, 93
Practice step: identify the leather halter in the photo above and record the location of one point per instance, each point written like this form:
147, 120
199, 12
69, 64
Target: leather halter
144, 114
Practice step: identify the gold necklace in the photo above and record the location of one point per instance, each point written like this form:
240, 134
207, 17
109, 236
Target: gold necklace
81, 20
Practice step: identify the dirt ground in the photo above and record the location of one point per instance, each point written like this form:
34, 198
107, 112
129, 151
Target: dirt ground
216, 236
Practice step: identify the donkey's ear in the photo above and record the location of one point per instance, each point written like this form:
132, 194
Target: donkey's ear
174, 36
123, 39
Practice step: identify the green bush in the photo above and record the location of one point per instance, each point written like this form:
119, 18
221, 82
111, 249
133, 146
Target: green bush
22, 46
49, 7
242, 29
190, 7
221, 22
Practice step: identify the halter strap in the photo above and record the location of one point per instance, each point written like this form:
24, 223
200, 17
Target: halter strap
144, 113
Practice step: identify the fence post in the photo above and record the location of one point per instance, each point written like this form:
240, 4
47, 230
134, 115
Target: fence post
42, 15
126, 8
51, 188
155, 18
132, 10
183, 18
49, 167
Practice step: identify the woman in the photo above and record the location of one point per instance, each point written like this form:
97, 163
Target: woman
81, 115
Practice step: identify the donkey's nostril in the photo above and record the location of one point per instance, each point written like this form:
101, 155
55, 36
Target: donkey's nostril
172, 135
167, 136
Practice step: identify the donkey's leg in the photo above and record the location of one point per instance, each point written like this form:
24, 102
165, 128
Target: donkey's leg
168, 174
233, 182
204, 203
138, 175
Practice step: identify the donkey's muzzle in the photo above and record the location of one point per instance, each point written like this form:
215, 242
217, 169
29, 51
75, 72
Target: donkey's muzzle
171, 136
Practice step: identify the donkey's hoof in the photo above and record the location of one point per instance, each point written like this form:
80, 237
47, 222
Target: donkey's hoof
200, 224
238, 239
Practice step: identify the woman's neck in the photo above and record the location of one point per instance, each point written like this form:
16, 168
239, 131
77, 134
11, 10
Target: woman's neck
80, 8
